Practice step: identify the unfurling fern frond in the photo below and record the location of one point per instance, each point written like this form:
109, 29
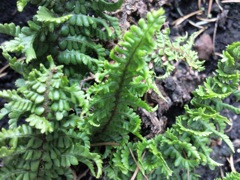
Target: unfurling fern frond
115, 100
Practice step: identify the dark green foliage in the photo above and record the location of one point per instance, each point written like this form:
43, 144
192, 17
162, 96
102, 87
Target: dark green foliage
55, 116
68, 31
48, 143
46, 133
186, 145
115, 100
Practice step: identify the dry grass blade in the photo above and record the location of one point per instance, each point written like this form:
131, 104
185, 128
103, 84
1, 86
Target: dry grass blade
105, 144
209, 8
82, 175
2, 69
231, 1
181, 19
199, 4
2, 75
207, 20
220, 7
231, 163
138, 167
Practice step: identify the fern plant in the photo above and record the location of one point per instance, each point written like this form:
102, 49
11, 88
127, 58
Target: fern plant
47, 144
55, 123
60, 46
80, 26
184, 146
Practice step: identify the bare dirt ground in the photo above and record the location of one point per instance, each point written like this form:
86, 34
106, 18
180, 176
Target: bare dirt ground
218, 24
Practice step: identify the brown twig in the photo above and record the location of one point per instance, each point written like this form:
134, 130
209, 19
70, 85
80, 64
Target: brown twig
183, 18
82, 175
2, 69
138, 166
91, 77
221, 172
209, 8
74, 174
231, 1
220, 7
231, 163
199, 4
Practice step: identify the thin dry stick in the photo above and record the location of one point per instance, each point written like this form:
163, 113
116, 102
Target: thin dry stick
230, 161
199, 4
214, 35
209, 8
207, 20
198, 24
199, 32
105, 144
220, 7
138, 167
231, 1
2, 69
2, 75
74, 174
83, 174
223, 14
181, 19
221, 172
91, 77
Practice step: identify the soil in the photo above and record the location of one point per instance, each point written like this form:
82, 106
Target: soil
220, 26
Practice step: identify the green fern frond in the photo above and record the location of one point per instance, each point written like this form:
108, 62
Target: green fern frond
130, 64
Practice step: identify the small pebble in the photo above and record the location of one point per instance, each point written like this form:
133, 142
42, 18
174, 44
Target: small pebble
204, 46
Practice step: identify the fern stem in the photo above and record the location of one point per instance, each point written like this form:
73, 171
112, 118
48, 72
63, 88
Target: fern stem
105, 144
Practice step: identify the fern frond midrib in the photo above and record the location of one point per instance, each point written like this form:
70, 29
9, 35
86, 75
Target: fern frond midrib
46, 98
119, 91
